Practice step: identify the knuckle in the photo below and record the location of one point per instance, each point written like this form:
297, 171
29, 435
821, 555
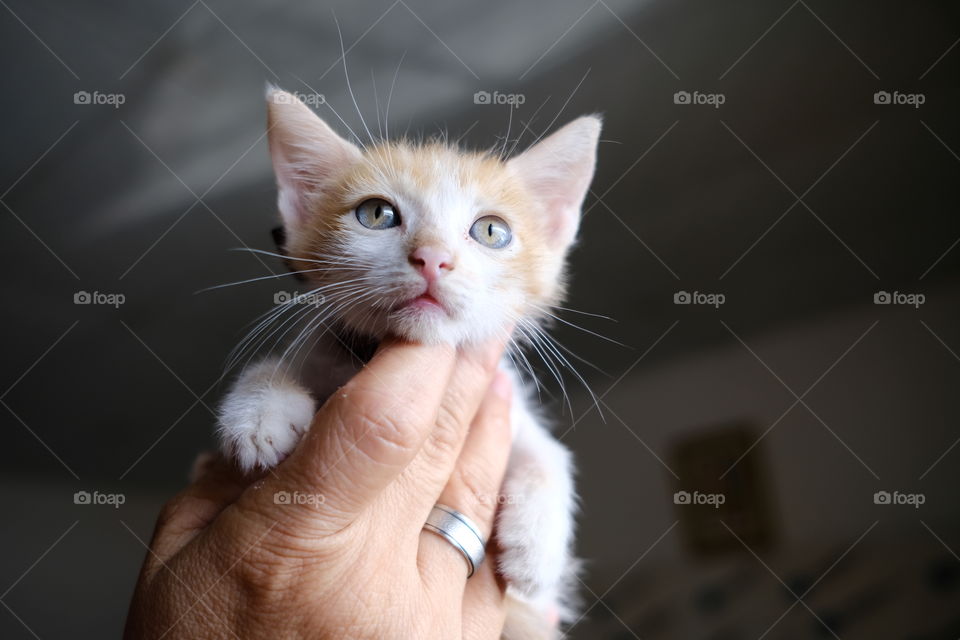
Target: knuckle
269, 566
381, 433
446, 436
476, 493
181, 513
269, 585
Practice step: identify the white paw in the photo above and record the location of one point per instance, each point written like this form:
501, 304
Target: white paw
271, 434
262, 419
534, 532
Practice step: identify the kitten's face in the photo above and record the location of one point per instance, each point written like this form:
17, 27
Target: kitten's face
427, 242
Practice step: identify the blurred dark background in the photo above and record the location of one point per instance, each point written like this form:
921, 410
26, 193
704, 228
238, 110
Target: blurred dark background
811, 176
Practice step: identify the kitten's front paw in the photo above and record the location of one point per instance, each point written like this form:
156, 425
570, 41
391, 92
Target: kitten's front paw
260, 429
534, 531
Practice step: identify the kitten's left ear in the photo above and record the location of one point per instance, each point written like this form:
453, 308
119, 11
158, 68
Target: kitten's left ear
558, 171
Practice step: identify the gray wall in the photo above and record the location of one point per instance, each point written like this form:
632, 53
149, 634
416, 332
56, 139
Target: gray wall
687, 197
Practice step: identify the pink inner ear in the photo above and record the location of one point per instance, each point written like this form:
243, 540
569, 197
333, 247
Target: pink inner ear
558, 171
291, 201
301, 172
307, 154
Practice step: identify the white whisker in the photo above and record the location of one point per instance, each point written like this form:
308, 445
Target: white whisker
337, 260
346, 75
584, 313
585, 330
280, 275
376, 102
256, 338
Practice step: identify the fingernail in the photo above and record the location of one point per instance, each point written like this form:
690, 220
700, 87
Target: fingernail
501, 385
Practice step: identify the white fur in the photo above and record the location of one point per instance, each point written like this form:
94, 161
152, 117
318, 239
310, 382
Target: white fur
535, 525
267, 411
264, 416
438, 217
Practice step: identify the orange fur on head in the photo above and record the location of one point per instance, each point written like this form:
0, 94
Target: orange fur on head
438, 192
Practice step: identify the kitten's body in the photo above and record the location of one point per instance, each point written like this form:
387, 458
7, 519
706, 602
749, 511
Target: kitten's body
431, 277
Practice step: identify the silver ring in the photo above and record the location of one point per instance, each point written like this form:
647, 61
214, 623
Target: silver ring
460, 531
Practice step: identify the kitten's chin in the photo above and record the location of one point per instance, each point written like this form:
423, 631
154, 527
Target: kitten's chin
424, 326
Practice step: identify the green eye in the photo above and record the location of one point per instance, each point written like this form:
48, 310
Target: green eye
492, 232
378, 214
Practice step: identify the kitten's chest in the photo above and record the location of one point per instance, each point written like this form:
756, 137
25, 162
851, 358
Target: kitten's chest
333, 361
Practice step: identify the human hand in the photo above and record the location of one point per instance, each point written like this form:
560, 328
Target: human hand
330, 544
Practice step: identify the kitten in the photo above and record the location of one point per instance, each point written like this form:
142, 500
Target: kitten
431, 244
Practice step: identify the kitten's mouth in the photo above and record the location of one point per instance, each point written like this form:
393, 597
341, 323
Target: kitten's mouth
424, 303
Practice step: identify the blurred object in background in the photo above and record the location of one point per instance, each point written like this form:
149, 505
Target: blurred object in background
723, 496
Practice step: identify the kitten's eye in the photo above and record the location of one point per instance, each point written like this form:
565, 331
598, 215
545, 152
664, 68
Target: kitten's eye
492, 232
378, 214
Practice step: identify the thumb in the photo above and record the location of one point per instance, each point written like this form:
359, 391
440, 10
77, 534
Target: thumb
366, 433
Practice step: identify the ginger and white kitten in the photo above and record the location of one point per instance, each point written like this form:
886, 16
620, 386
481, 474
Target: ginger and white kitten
431, 244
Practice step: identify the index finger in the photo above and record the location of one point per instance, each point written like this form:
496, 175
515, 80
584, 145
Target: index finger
368, 431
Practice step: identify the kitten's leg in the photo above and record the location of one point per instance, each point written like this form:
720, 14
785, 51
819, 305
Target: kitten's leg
535, 523
264, 416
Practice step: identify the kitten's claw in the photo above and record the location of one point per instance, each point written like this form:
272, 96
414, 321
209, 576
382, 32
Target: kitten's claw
264, 440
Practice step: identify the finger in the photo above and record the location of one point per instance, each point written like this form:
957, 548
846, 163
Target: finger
420, 484
485, 604
366, 433
473, 489
216, 485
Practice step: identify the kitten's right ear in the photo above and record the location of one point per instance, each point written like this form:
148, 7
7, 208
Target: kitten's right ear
306, 155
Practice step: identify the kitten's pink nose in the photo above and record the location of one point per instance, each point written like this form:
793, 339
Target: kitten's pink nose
431, 262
